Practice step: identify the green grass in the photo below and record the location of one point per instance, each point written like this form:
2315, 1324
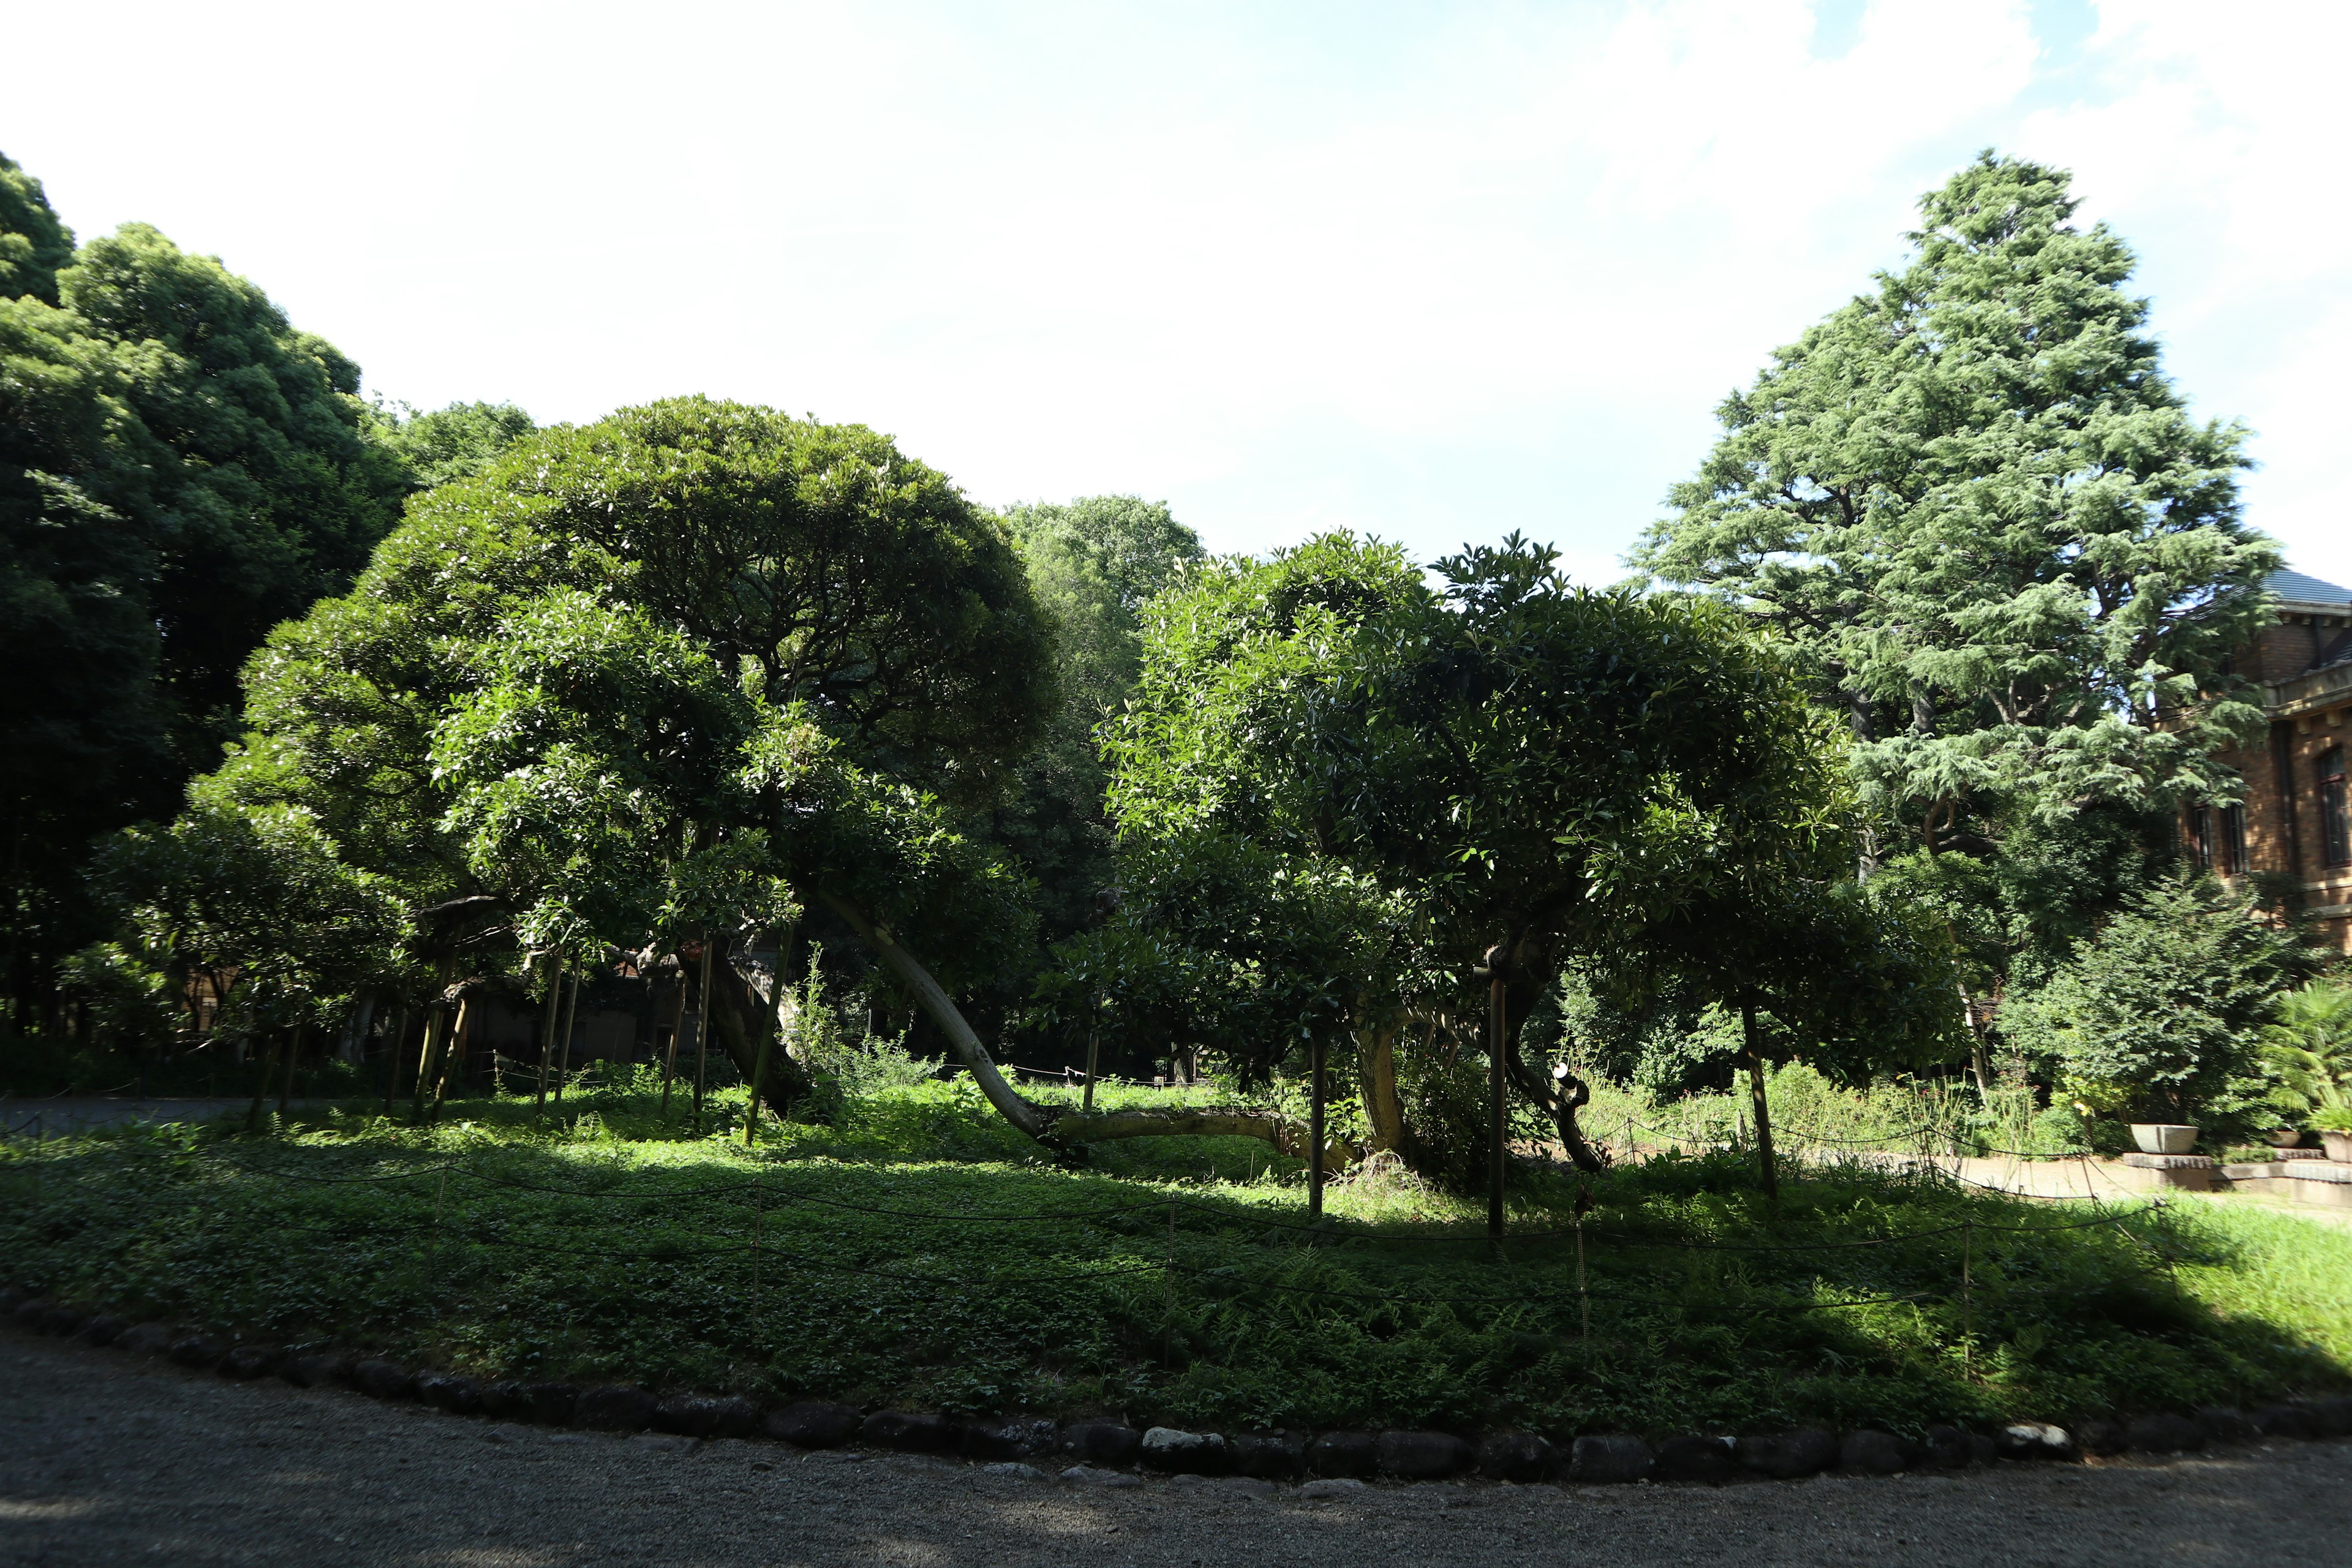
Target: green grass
923, 1255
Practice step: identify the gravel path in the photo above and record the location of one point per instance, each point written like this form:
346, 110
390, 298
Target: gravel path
105, 1459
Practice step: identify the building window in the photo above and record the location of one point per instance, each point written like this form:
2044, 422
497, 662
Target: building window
2230, 852
2200, 837
2334, 827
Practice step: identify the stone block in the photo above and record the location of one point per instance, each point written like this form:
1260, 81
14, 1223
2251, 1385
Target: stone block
2163, 1434
616, 1408
1344, 1454
1004, 1438
812, 1424
2033, 1440
1515, 1456
704, 1414
553, 1404
1870, 1452
1609, 1459
1423, 1455
383, 1380
1788, 1455
1270, 1455
247, 1362
908, 1431
1102, 1441
1694, 1459
1174, 1451
2225, 1424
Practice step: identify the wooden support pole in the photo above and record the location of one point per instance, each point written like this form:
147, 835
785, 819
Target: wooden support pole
1763, 1106
547, 1011
570, 1013
1497, 1124
393, 1044
1314, 1129
702, 1030
677, 1023
1094, 1059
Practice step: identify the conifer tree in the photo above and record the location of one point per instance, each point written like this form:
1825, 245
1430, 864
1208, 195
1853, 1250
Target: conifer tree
1977, 505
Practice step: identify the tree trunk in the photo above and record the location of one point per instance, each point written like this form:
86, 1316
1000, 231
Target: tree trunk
740, 1020
1315, 1141
1063, 1129
1763, 1105
286, 1079
1560, 1097
1376, 1070
261, 1086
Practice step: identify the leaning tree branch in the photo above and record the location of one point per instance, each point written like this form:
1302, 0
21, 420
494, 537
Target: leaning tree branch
1054, 1126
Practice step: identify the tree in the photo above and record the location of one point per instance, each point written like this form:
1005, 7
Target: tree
1980, 512
677, 673
276, 496
261, 904
179, 471
1093, 564
2160, 1018
1538, 772
448, 444
33, 243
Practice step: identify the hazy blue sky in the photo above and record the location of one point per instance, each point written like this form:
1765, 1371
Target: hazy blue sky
1432, 272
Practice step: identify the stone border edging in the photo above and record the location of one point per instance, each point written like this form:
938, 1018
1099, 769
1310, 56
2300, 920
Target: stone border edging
1105, 1453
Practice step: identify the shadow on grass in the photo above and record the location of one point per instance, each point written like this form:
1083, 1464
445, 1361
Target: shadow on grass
922, 1254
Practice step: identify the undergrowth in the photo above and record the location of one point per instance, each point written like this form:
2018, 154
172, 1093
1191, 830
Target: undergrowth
915, 1251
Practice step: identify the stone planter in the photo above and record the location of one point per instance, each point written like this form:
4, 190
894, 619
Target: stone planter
2163, 1138
2283, 1137
2338, 1145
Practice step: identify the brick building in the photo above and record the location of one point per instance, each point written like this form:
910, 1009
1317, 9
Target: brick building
2295, 822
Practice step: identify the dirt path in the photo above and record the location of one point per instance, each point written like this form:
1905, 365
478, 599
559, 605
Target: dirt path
109, 1460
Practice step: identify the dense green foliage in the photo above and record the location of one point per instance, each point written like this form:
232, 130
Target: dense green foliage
2308, 1050
2009, 559
573, 1253
2160, 1018
180, 469
1632, 783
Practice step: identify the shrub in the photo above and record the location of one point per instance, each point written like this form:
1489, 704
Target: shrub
2158, 1018
2308, 1053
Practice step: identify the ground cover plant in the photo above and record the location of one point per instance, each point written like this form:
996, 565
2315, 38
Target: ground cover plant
918, 1252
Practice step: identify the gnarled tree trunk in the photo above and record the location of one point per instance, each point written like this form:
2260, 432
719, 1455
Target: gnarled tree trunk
740, 1020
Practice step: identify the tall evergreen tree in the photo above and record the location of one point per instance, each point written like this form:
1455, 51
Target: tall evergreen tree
1975, 503
1983, 517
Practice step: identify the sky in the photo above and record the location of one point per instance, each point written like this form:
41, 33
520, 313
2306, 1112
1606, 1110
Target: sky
1435, 273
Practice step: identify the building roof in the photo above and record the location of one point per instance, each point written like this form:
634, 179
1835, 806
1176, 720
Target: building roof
2298, 589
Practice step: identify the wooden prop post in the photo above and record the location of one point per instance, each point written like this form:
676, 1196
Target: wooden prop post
546, 1030
1496, 1121
1315, 1129
571, 1012
702, 1031
677, 1023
